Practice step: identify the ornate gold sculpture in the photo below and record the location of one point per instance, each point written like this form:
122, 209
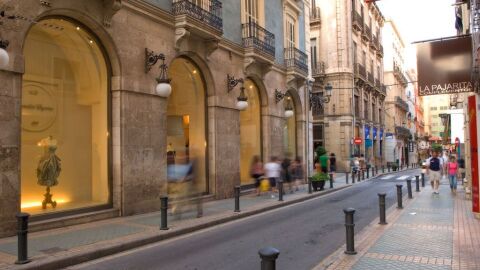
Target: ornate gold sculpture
48, 169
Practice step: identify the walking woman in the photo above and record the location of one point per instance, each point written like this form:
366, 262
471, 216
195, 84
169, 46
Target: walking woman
256, 172
452, 167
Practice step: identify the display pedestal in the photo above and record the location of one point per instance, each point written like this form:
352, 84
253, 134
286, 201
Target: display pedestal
48, 200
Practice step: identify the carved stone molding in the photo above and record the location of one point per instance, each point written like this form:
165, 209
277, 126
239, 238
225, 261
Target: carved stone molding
210, 46
253, 66
181, 38
110, 7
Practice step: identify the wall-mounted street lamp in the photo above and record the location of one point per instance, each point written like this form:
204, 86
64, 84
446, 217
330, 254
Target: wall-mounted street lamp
288, 103
317, 101
242, 102
163, 87
4, 58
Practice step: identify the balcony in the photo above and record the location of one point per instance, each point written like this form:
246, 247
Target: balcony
258, 40
318, 69
360, 71
204, 21
384, 89
402, 132
357, 21
377, 84
370, 78
398, 73
399, 102
296, 62
380, 50
315, 17
374, 44
366, 34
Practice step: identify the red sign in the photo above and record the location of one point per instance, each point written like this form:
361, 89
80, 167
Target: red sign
357, 140
472, 115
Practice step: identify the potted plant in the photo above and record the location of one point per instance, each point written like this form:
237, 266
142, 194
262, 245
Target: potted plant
318, 180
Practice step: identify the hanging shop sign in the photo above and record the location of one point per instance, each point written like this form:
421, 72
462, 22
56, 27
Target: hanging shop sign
357, 140
444, 66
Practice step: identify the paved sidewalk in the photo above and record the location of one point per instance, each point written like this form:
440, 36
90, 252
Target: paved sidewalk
431, 232
60, 247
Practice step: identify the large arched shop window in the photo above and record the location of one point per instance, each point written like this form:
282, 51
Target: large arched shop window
290, 130
65, 127
250, 132
186, 126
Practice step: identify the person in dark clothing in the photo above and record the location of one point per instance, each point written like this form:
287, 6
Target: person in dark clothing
333, 163
286, 173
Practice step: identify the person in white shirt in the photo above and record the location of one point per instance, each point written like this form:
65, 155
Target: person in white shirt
435, 169
272, 172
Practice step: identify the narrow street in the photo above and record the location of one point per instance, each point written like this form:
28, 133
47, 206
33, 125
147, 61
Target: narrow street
304, 233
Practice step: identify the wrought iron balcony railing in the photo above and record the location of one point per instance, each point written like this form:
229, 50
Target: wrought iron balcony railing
374, 42
360, 71
209, 12
367, 33
402, 131
294, 58
401, 103
384, 89
378, 84
318, 69
380, 50
357, 21
315, 17
258, 37
370, 78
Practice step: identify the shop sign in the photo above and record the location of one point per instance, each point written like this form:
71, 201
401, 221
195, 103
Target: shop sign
410, 146
367, 132
473, 127
374, 133
368, 143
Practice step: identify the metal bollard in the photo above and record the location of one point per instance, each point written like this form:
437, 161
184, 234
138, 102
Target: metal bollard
358, 176
350, 231
22, 241
268, 255
399, 196
368, 172
236, 192
423, 180
381, 204
331, 180
346, 177
280, 191
417, 183
373, 171
376, 170
353, 177
409, 188
363, 174
163, 212
383, 169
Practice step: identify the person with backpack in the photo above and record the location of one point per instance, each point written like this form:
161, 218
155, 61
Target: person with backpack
435, 168
452, 168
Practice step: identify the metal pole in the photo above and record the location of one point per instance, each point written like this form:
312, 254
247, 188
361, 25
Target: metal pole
409, 188
163, 212
383, 169
236, 192
268, 255
331, 180
363, 174
381, 204
280, 191
22, 241
368, 172
350, 231
346, 177
399, 196
309, 185
417, 183
358, 176
353, 177
423, 180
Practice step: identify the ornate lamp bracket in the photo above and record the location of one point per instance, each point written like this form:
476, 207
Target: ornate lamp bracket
232, 82
279, 96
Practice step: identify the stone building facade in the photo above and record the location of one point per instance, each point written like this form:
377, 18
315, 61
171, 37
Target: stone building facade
77, 87
348, 55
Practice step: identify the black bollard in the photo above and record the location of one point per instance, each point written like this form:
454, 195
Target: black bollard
331, 180
368, 172
373, 171
417, 183
163, 212
376, 170
280, 191
346, 177
358, 176
22, 242
353, 177
350, 231
309, 185
236, 191
363, 175
381, 204
268, 255
423, 180
409, 188
383, 169
399, 196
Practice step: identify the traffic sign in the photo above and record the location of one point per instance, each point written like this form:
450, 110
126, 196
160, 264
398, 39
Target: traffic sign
357, 140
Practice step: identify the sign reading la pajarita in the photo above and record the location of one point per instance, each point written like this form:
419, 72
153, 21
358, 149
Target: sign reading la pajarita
444, 66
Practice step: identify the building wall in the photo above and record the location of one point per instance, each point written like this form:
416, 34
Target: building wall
139, 162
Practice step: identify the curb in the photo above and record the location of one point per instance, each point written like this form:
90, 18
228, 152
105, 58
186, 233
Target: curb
89, 255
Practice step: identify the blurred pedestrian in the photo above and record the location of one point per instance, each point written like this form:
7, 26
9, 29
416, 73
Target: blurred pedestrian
324, 162
297, 172
286, 174
256, 172
452, 168
273, 172
333, 163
